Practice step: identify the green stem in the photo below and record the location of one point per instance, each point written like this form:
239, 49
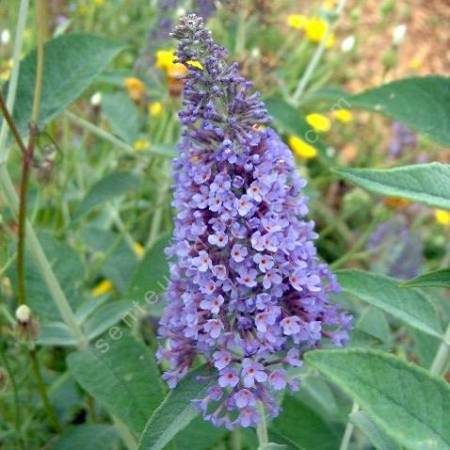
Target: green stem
40, 26
164, 187
12, 86
127, 438
261, 429
241, 33
111, 138
348, 430
357, 246
303, 82
235, 439
42, 262
27, 159
9, 122
121, 226
43, 391
158, 214
90, 401
442, 356
15, 389
27, 156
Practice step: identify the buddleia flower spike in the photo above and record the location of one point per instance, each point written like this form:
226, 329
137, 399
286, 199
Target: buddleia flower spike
247, 290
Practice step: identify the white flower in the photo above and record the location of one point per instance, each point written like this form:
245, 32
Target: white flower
398, 35
96, 99
348, 43
23, 313
5, 36
255, 52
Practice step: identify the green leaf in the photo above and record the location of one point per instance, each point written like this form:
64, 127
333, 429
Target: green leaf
198, 435
287, 117
151, 274
105, 317
122, 115
71, 63
68, 268
425, 347
120, 265
408, 403
423, 183
373, 432
302, 427
87, 437
122, 375
318, 395
438, 278
175, 412
272, 446
373, 322
109, 187
408, 305
422, 103
56, 333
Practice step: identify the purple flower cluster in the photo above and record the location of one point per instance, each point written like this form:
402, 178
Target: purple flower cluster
247, 289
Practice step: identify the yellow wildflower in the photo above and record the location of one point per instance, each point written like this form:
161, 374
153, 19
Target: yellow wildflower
297, 21
316, 29
135, 87
164, 59
139, 249
197, 64
319, 122
155, 109
415, 63
302, 148
343, 115
102, 288
99, 2
141, 144
442, 216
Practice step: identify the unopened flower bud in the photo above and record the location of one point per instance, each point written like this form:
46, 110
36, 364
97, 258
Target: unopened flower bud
23, 314
27, 326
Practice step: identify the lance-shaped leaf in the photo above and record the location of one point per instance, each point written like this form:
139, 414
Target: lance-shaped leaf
408, 305
111, 186
423, 183
373, 432
438, 278
422, 103
87, 437
122, 375
175, 412
71, 62
303, 428
408, 403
